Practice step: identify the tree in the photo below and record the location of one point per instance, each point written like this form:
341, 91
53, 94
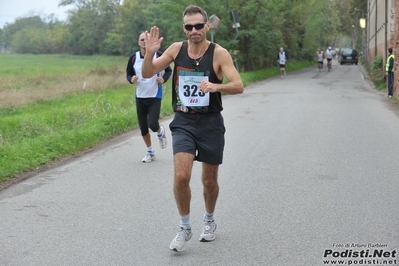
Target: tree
2, 40
113, 27
129, 24
56, 39
90, 24
30, 41
25, 23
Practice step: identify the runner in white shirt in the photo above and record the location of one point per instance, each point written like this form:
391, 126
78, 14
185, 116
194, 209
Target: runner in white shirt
282, 60
329, 55
320, 59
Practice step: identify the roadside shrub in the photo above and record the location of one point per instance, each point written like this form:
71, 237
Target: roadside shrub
377, 73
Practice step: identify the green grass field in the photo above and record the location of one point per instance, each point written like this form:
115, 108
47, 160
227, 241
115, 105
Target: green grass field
31, 78
46, 114
55, 64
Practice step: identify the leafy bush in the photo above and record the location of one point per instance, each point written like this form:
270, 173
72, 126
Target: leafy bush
377, 73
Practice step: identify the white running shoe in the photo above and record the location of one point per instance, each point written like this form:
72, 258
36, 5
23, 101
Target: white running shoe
178, 243
149, 157
208, 232
162, 139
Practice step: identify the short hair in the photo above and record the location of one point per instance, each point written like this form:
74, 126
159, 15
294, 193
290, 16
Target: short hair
390, 50
192, 10
141, 34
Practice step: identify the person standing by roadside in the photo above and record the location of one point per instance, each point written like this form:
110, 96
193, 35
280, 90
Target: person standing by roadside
148, 97
198, 126
389, 68
282, 60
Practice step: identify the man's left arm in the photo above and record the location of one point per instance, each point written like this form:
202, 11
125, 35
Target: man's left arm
224, 67
391, 62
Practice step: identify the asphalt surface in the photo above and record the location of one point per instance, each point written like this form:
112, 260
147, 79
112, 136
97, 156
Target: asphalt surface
310, 175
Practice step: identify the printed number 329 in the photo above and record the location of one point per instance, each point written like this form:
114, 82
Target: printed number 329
192, 91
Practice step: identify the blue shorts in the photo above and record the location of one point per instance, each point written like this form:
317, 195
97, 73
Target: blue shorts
200, 134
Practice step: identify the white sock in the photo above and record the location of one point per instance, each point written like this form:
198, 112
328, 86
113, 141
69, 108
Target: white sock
161, 132
185, 221
208, 216
150, 149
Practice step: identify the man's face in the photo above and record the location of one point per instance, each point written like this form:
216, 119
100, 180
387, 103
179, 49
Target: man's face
195, 28
141, 41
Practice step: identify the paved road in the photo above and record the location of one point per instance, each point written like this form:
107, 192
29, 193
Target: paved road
310, 170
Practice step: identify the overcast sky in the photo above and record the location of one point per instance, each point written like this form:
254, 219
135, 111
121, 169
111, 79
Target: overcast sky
12, 9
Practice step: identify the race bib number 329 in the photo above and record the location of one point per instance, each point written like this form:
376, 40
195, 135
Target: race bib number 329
189, 92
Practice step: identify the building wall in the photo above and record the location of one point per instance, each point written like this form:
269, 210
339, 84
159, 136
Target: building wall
380, 27
396, 48
381, 35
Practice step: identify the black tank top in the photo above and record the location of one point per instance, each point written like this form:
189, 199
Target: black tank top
185, 66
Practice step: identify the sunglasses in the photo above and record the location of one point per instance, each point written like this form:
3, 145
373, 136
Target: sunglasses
198, 26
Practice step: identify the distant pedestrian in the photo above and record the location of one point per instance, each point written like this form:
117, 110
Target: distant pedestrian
282, 60
148, 98
329, 54
390, 71
320, 59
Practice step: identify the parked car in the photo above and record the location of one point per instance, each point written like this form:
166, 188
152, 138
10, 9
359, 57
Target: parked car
348, 55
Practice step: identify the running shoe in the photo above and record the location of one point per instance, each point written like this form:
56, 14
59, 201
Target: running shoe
178, 243
149, 157
162, 139
208, 232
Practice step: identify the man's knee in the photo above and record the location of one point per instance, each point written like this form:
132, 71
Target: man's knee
144, 131
182, 179
210, 183
210, 175
154, 127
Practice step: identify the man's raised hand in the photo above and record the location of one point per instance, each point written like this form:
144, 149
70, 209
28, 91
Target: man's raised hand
152, 40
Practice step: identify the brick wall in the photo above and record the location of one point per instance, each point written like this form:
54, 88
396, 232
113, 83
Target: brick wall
396, 49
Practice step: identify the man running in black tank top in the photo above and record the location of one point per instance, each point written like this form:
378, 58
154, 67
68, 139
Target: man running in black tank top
198, 127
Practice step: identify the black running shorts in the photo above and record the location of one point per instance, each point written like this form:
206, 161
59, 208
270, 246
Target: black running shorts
200, 134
